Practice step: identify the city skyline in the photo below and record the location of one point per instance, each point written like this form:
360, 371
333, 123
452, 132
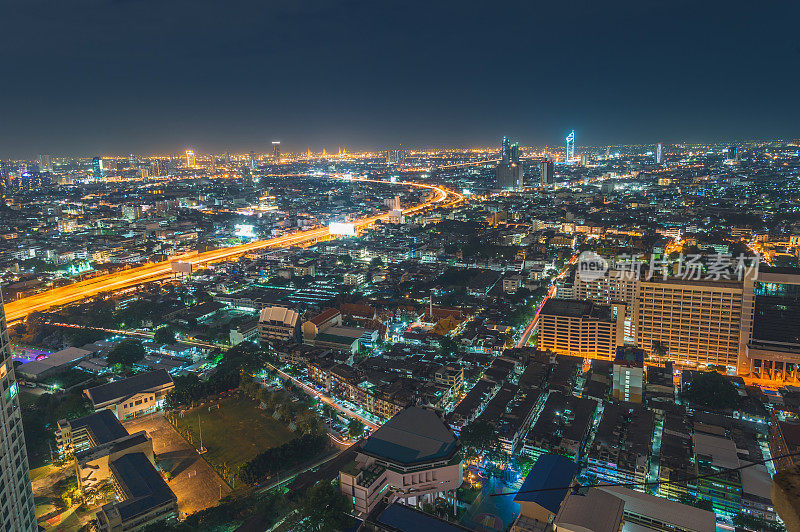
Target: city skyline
399, 266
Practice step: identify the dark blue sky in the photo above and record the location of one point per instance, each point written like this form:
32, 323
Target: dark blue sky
105, 76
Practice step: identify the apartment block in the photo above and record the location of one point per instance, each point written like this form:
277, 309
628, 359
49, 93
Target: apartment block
696, 322
581, 328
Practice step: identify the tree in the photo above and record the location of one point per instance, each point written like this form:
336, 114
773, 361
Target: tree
324, 508
308, 422
713, 390
126, 353
751, 522
447, 346
376, 262
355, 428
659, 349
479, 437
164, 335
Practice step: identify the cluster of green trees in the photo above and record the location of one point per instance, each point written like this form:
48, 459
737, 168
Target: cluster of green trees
126, 353
231, 510
323, 507
479, 437
713, 390
40, 417
242, 359
289, 454
280, 402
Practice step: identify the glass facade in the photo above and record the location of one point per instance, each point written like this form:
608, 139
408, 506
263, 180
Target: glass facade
776, 317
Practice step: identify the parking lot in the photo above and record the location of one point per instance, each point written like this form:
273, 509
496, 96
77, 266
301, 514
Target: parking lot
196, 485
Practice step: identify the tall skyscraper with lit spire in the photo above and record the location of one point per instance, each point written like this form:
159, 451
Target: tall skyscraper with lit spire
16, 496
570, 146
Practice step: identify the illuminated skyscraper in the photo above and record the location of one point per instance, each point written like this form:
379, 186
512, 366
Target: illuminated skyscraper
45, 163
570, 146
132, 162
158, 167
16, 496
276, 150
191, 161
548, 175
4, 174
253, 161
505, 151
658, 153
97, 168
395, 157
509, 170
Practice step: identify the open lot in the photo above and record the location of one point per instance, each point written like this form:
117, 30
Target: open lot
233, 432
196, 485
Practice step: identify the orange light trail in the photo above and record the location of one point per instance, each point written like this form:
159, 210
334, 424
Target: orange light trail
20, 308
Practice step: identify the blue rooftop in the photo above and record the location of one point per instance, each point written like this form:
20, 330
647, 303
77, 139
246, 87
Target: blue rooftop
552, 473
629, 354
404, 518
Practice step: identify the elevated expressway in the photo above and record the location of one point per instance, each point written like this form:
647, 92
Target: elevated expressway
20, 308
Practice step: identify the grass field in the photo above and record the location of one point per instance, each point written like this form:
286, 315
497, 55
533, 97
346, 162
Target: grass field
235, 432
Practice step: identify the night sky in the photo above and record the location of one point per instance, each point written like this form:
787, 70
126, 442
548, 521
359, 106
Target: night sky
92, 77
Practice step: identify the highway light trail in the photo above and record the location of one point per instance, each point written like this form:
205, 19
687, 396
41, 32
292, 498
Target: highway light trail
20, 308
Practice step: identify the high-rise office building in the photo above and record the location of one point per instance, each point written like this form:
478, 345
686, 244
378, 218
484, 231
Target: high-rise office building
395, 157
770, 338
658, 153
133, 162
4, 172
45, 163
191, 160
253, 161
97, 168
733, 153
570, 146
16, 495
158, 167
505, 151
509, 171
276, 150
548, 173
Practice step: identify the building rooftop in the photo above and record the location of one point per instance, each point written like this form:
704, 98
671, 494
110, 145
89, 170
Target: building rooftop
598, 511
553, 474
324, 316
283, 315
103, 426
413, 435
675, 514
576, 309
113, 446
126, 387
143, 487
404, 518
